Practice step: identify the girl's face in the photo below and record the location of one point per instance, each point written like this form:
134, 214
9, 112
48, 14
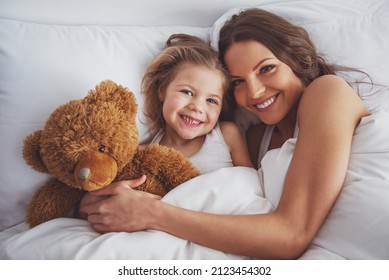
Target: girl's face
262, 84
193, 100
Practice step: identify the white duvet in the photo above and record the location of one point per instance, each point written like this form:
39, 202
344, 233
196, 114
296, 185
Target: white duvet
356, 228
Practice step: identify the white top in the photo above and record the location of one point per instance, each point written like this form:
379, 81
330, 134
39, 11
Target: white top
213, 154
265, 143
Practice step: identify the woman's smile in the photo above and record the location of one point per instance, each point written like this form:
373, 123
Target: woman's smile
267, 103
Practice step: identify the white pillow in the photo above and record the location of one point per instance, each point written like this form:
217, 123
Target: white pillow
43, 66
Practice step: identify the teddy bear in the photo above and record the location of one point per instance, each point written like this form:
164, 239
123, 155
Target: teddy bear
88, 143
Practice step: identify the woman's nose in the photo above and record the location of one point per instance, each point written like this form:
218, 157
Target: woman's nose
255, 88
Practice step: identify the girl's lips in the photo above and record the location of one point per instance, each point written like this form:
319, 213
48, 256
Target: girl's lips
268, 102
191, 121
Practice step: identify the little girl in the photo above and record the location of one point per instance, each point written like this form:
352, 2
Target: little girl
185, 90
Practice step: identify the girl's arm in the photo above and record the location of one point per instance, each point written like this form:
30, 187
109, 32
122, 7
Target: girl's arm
234, 139
328, 115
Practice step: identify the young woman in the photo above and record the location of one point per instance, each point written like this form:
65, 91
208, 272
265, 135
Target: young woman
278, 75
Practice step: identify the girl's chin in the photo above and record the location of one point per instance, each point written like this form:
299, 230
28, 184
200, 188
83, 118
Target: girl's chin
189, 137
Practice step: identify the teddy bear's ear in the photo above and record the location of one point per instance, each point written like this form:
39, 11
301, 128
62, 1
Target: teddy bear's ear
31, 152
109, 91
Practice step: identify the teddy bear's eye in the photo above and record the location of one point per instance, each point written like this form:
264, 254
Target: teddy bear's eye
102, 149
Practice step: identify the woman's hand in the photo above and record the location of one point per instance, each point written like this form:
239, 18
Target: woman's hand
118, 207
88, 198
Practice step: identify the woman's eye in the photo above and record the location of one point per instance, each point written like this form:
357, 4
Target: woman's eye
236, 83
266, 69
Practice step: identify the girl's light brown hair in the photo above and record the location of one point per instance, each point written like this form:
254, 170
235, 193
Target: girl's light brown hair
179, 49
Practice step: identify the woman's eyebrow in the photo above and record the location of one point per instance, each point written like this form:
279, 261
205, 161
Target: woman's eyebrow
255, 66
262, 61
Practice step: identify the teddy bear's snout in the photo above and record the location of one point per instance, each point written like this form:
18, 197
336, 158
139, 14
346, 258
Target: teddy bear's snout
94, 170
84, 173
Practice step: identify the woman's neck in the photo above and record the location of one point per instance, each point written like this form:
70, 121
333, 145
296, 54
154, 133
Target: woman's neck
285, 129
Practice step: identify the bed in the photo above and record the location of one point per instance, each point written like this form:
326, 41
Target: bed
54, 51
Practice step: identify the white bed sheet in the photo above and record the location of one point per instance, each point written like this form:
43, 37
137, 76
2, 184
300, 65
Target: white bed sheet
356, 228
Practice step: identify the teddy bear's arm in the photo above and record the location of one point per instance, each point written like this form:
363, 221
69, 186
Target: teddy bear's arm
170, 166
53, 200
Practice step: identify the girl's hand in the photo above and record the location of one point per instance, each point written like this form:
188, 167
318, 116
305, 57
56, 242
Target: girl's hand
118, 207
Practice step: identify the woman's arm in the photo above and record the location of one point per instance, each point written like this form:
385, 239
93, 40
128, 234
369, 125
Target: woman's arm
327, 116
239, 152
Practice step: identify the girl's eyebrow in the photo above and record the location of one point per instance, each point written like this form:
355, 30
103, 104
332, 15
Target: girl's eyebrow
213, 95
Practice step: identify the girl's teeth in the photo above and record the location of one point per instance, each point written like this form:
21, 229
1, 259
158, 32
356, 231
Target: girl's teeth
266, 103
188, 120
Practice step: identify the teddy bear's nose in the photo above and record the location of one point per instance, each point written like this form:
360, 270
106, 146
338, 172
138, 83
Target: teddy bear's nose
84, 173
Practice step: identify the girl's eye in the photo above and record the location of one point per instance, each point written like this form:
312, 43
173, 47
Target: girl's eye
212, 101
187, 92
266, 69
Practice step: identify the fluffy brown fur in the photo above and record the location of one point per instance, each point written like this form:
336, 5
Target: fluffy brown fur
87, 144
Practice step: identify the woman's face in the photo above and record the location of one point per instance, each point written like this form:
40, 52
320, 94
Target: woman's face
262, 84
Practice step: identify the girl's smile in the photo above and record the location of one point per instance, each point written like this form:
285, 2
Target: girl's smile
191, 122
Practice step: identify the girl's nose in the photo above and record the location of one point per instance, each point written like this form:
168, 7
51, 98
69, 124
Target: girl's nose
196, 105
255, 88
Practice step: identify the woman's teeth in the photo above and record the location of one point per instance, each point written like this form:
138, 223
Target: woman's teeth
266, 104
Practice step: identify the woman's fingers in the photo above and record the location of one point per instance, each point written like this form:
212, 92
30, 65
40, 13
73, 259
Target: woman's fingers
92, 208
119, 207
107, 199
113, 188
136, 182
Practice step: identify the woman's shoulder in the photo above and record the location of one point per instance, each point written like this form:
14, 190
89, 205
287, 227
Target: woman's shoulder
328, 78
329, 84
330, 97
327, 90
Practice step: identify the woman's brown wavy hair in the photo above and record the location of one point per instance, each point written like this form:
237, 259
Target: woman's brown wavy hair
290, 43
